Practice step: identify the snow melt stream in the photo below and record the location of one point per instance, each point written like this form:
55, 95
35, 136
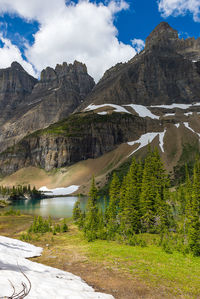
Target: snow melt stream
46, 282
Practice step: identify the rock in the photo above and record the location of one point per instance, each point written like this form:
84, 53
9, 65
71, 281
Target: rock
163, 73
28, 104
80, 137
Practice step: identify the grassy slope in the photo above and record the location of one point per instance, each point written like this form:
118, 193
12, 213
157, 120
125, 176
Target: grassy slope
149, 271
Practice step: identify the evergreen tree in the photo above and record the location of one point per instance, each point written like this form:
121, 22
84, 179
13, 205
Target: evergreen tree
154, 183
113, 207
129, 203
91, 223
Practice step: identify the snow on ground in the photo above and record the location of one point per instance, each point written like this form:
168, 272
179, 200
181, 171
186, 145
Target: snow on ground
60, 191
148, 138
161, 140
46, 282
143, 111
169, 114
102, 113
177, 125
181, 106
188, 113
186, 124
117, 108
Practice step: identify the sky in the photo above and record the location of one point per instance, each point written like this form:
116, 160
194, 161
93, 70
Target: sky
98, 33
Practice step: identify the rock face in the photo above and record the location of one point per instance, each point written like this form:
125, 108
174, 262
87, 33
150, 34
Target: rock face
164, 72
80, 137
29, 104
16, 86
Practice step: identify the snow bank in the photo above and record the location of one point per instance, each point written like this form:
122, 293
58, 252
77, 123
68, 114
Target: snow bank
60, 191
143, 111
18, 248
148, 138
47, 282
177, 125
117, 108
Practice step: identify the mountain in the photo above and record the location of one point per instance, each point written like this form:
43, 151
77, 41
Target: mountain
153, 98
28, 104
165, 72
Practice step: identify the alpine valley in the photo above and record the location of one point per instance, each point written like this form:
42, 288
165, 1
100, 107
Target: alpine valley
63, 128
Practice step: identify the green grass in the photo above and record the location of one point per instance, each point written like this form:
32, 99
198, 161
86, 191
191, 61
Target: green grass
174, 274
177, 273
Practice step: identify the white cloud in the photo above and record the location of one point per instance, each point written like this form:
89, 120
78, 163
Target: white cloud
180, 7
84, 31
10, 53
138, 44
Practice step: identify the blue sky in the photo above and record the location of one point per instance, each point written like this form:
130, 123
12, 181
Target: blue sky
43, 33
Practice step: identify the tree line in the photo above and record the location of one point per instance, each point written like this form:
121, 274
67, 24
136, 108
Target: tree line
143, 204
16, 192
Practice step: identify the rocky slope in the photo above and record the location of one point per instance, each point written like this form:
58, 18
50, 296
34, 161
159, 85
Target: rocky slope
28, 104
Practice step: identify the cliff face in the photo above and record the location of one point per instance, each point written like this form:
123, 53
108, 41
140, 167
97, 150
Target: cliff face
80, 137
29, 105
165, 72
15, 87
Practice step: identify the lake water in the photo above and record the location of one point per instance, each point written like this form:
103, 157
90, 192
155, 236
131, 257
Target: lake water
55, 207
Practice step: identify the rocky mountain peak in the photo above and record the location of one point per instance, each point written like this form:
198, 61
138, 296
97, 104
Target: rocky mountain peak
162, 34
16, 66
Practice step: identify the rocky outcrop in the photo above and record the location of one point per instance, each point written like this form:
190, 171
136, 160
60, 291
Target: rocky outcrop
16, 86
37, 104
80, 137
163, 73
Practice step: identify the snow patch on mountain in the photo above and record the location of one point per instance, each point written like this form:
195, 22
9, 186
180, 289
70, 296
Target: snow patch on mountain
117, 108
143, 111
186, 124
60, 191
147, 138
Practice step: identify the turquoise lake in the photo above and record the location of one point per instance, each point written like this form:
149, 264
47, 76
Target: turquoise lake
55, 207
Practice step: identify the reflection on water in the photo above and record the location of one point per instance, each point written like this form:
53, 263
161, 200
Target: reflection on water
55, 207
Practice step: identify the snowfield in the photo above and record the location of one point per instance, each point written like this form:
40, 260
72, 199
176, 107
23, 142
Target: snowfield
46, 282
117, 108
59, 191
148, 138
143, 111
181, 106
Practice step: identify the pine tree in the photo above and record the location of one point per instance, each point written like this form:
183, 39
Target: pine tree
91, 222
154, 184
129, 203
77, 211
113, 207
